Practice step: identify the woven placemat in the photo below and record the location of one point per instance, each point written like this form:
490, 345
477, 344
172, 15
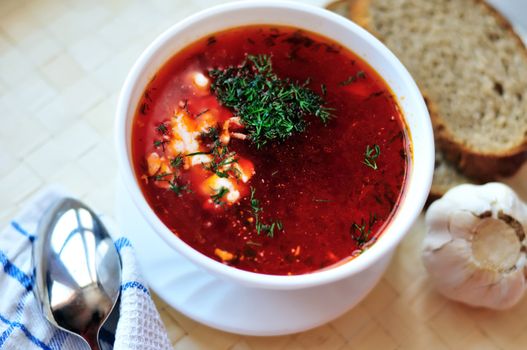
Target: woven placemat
62, 63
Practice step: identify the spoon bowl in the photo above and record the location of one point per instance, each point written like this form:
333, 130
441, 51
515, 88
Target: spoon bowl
77, 270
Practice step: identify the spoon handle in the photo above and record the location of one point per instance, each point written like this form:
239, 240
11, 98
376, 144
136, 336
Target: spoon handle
77, 270
106, 333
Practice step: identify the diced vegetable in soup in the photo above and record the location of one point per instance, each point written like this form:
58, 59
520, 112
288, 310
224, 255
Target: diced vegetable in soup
271, 149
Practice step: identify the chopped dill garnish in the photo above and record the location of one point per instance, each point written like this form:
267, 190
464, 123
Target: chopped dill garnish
361, 232
255, 205
184, 105
197, 153
258, 224
177, 161
270, 108
353, 78
323, 89
202, 112
261, 227
211, 137
370, 156
162, 128
160, 143
147, 93
145, 107
211, 133
377, 93
217, 197
221, 157
160, 177
178, 189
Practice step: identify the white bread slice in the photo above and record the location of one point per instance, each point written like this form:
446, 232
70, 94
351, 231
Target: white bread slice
472, 66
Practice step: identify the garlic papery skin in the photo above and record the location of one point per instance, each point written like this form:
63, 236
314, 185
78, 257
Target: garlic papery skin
475, 247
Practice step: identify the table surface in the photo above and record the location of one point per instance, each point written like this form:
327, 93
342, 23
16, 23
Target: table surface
61, 66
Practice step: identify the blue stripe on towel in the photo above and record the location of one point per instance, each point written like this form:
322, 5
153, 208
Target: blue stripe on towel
22, 303
23, 232
121, 243
26, 331
15, 272
136, 285
5, 335
58, 339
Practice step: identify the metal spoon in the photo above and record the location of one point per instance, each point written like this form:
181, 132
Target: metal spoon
78, 270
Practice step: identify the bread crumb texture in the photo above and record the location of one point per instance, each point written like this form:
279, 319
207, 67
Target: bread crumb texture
468, 61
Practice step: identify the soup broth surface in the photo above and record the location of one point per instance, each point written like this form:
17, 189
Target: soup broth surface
329, 191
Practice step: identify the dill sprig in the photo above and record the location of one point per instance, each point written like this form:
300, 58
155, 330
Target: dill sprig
370, 156
221, 155
197, 153
259, 225
353, 78
217, 197
161, 177
211, 134
361, 233
160, 143
270, 108
178, 189
162, 129
177, 161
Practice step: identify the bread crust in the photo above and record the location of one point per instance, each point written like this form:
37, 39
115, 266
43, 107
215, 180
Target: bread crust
339, 6
438, 190
481, 166
358, 13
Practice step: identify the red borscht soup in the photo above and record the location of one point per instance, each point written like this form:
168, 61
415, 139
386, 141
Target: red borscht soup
271, 149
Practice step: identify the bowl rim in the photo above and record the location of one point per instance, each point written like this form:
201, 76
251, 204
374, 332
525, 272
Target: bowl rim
317, 277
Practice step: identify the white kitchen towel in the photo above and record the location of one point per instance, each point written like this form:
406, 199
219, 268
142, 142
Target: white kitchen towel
22, 326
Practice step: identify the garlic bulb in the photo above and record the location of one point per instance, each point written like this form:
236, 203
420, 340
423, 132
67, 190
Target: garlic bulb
475, 248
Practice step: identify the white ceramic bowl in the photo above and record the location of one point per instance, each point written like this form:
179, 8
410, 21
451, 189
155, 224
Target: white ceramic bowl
311, 19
